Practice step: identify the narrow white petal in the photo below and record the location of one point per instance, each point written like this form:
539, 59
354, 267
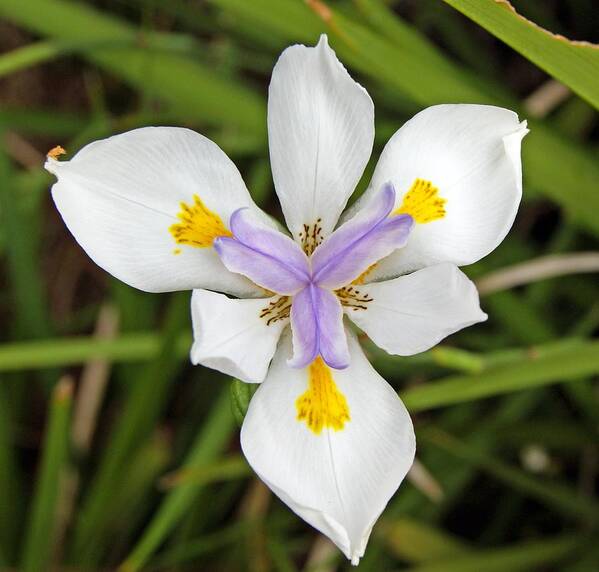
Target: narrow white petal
236, 337
120, 196
471, 153
321, 130
413, 313
339, 481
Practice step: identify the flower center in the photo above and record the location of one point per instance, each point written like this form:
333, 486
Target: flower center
311, 236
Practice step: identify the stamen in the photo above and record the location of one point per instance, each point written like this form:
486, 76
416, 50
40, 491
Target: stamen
277, 310
311, 236
322, 405
352, 297
56, 152
422, 202
199, 226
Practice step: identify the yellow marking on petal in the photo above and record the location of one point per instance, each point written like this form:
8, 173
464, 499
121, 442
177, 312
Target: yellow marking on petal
422, 202
362, 278
322, 405
56, 152
177, 251
199, 226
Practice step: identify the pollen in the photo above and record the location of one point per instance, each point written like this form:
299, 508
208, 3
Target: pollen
56, 152
422, 202
199, 225
362, 278
322, 405
276, 310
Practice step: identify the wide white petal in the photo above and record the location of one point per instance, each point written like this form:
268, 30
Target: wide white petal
471, 153
321, 131
413, 313
119, 197
338, 481
234, 336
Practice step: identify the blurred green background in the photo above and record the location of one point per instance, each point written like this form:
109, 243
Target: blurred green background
116, 452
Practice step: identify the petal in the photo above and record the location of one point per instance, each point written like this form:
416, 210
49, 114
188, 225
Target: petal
236, 337
317, 326
361, 241
120, 197
471, 153
413, 313
248, 229
338, 465
321, 130
266, 256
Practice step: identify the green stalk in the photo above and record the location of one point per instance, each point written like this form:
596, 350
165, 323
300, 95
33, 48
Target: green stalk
210, 442
38, 543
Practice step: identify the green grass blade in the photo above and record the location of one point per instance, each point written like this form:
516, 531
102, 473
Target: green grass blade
192, 90
211, 440
11, 495
146, 400
574, 63
552, 494
532, 555
561, 365
134, 347
37, 548
414, 541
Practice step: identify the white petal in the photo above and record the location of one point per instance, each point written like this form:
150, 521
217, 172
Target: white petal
471, 153
321, 130
120, 196
338, 481
232, 337
413, 313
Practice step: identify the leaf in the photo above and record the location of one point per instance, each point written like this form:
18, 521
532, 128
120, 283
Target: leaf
241, 394
560, 365
574, 63
37, 548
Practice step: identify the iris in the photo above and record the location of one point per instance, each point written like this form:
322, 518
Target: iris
163, 209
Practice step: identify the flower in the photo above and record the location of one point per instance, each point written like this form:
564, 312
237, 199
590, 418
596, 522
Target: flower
164, 209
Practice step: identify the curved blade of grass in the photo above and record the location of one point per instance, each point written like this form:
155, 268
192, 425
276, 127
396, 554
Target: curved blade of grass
10, 480
145, 402
553, 494
534, 372
572, 62
192, 90
526, 556
213, 437
415, 541
37, 547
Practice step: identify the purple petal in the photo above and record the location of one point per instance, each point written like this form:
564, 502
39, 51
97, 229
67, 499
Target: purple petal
360, 242
266, 256
268, 241
317, 327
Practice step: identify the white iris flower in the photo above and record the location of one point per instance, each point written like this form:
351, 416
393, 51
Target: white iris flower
164, 209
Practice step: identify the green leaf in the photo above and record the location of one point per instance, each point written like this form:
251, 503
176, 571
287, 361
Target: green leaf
241, 394
574, 63
559, 365
209, 443
193, 91
532, 555
37, 548
415, 541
